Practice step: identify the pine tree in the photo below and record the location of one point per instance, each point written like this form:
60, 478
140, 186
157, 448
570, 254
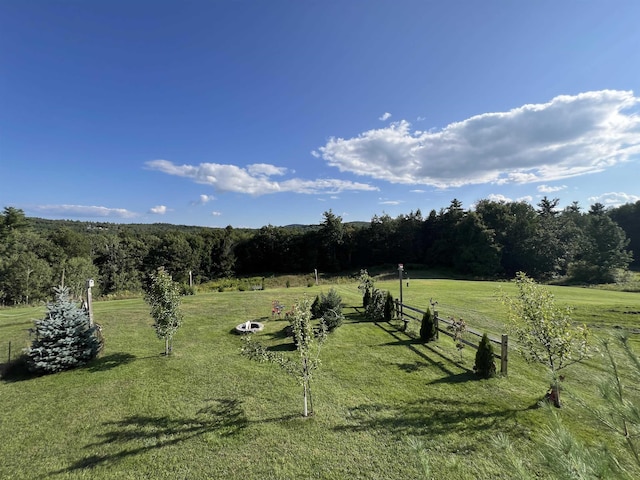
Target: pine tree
485, 365
428, 327
63, 339
389, 307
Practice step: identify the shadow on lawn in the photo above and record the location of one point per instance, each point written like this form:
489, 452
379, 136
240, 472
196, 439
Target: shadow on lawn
413, 344
102, 364
138, 433
431, 417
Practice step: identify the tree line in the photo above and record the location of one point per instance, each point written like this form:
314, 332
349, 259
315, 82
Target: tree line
492, 240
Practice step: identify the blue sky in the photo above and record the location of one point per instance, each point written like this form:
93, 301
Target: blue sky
248, 113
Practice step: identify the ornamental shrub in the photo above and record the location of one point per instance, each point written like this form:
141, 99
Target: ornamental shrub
63, 339
366, 298
375, 308
329, 308
389, 308
428, 327
485, 365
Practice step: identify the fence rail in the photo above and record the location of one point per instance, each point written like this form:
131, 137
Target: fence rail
401, 312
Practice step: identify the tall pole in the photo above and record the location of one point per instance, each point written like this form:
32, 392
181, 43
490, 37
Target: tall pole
400, 270
89, 301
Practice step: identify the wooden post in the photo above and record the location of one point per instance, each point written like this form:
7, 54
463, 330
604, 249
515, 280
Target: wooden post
9, 351
90, 301
503, 354
436, 323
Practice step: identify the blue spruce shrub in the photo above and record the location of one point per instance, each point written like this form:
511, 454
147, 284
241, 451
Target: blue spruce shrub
63, 339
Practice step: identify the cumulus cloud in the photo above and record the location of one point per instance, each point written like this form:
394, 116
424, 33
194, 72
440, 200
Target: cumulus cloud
204, 199
526, 199
216, 214
497, 197
566, 137
614, 199
384, 116
158, 210
84, 211
550, 189
254, 180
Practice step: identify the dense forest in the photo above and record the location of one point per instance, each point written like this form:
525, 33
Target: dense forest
494, 239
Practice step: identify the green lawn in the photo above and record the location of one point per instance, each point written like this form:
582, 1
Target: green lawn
208, 412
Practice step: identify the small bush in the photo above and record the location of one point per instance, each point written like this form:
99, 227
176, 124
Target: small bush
329, 308
366, 298
485, 365
186, 289
389, 308
428, 327
375, 309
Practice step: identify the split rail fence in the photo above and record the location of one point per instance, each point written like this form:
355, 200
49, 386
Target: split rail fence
403, 312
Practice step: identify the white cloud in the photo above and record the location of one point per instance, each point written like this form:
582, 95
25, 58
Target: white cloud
204, 199
390, 202
384, 116
526, 199
417, 190
497, 197
85, 211
614, 199
158, 210
550, 189
216, 214
566, 137
254, 179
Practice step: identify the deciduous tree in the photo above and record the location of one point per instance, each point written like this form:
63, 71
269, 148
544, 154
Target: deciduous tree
544, 331
163, 295
308, 343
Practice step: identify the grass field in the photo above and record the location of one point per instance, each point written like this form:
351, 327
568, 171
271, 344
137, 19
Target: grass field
208, 412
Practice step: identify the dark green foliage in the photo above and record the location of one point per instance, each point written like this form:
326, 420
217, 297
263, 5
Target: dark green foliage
375, 308
366, 298
329, 308
485, 365
186, 289
428, 327
315, 308
389, 308
63, 339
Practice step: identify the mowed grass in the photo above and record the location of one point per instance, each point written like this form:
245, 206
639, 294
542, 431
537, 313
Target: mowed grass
208, 412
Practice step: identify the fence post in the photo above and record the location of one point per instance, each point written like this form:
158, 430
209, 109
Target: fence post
9, 352
503, 354
436, 323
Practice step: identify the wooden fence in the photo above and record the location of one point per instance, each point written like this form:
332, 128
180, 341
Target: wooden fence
403, 311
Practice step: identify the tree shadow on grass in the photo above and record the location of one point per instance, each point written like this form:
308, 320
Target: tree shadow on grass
107, 362
138, 434
416, 346
431, 417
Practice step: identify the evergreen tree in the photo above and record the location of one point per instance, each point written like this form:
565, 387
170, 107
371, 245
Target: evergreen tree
389, 307
485, 365
163, 295
63, 339
428, 327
